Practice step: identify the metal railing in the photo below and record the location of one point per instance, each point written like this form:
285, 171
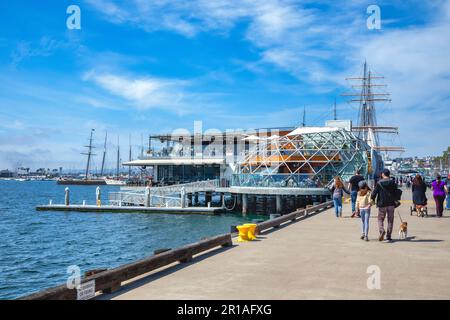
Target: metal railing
127, 198
191, 187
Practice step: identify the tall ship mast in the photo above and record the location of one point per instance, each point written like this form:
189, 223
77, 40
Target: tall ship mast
116, 180
86, 180
118, 158
104, 155
89, 153
366, 95
367, 90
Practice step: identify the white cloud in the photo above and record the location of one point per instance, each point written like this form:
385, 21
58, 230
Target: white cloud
44, 47
148, 92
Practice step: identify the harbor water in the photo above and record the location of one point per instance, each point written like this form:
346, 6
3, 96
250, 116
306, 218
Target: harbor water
36, 248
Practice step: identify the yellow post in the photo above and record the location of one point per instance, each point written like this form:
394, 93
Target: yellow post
251, 230
243, 233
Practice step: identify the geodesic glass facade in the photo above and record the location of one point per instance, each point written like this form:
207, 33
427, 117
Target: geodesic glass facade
308, 157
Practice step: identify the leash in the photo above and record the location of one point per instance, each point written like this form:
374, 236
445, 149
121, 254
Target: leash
400, 216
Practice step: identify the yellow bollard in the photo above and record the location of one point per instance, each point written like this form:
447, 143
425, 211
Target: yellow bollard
251, 231
243, 233
99, 203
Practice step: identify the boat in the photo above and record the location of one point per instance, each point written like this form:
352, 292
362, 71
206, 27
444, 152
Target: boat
80, 181
115, 182
87, 180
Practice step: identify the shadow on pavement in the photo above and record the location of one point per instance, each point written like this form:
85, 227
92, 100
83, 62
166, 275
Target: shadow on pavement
159, 274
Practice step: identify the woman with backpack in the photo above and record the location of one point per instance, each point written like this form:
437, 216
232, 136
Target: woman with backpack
338, 189
439, 191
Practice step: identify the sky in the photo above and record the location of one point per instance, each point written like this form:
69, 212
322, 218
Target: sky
138, 67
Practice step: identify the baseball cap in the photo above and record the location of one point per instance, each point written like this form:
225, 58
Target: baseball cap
362, 184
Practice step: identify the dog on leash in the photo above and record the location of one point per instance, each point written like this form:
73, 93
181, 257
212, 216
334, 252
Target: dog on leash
403, 230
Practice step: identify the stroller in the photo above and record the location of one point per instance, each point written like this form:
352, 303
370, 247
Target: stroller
420, 210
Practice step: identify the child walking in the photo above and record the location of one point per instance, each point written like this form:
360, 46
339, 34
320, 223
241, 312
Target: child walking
363, 204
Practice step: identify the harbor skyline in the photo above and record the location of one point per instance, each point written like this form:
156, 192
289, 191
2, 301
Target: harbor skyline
241, 65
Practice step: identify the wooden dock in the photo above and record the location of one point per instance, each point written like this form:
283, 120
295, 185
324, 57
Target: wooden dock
320, 257
131, 209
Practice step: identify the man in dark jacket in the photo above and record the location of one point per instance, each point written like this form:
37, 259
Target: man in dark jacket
384, 195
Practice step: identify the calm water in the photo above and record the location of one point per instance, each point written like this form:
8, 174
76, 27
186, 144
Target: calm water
37, 247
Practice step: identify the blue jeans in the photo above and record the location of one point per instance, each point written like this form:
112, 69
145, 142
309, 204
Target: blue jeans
365, 216
353, 196
448, 202
337, 206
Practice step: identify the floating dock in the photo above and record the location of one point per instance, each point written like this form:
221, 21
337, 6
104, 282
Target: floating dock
131, 209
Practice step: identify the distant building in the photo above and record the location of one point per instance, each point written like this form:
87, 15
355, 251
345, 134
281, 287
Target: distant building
6, 174
23, 171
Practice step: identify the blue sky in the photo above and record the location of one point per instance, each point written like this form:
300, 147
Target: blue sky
139, 67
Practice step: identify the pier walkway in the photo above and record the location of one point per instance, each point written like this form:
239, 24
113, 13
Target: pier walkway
320, 257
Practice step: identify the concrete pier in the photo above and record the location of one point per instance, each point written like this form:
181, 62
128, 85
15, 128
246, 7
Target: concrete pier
320, 257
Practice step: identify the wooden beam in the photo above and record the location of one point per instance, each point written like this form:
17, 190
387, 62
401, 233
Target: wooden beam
275, 223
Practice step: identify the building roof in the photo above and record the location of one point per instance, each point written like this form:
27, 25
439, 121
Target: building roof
308, 130
229, 133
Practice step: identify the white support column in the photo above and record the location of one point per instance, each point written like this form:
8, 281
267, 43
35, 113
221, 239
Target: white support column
147, 197
67, 196
183, 197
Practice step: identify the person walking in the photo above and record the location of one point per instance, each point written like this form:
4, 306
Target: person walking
448, 192
439, 191
354, 188
384, 195
408, 182
338, 189
363, 205
419, 189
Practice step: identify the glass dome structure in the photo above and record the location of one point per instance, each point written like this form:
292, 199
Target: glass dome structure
308, 157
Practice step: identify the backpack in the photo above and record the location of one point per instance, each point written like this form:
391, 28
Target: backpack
397, 195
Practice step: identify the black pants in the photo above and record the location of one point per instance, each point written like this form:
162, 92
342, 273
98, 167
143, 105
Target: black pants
439, 205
